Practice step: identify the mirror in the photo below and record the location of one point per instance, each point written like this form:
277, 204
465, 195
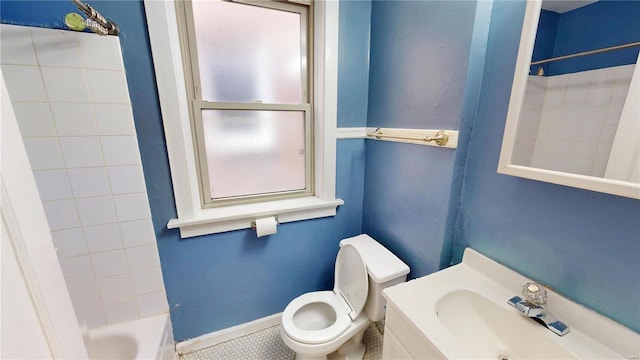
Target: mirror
574, 111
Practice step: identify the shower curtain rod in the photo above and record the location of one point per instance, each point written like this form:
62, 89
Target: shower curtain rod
590, 52
105, 27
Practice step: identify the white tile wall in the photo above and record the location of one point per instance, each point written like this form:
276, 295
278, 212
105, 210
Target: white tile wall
136, 233
151, 303
573, 128
61, 214
122, 310
96, 210
73, 119
116, 287
65, 84
87, 301
110, 263
56, 48
53, 184
39, 121
114, 119
120, 150
81, 151
16, 46
146, 281
69, 242
71, 100
103, 238
88, 182
132, 207
126, 179
77, 269
44, 153
143, 257
105, 86
100, 53
25, 82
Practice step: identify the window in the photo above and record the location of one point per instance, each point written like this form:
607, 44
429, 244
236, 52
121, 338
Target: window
247, 112
248, 82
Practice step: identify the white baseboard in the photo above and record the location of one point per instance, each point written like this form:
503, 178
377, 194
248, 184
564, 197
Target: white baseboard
227, 334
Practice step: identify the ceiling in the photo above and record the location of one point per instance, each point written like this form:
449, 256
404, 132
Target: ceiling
562, 6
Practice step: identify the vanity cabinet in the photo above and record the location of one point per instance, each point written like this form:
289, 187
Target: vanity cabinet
392, 347
402, 340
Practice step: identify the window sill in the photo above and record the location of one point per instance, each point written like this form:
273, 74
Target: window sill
212, 221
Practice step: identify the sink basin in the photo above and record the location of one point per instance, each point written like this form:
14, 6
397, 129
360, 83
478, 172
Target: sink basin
497, 332
462, 313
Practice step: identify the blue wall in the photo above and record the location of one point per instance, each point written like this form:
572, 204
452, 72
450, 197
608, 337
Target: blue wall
419, 62
214, 282
545, 39
353, 65
583, 244
598, 25
419, 56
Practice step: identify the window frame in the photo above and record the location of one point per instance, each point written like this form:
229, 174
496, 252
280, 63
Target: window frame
193, 219
191, 62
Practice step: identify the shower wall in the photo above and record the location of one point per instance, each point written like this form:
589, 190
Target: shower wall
569, 121
71, 100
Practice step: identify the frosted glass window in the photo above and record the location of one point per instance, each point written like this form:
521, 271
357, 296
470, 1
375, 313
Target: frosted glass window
254, 151
250, 95
248, 53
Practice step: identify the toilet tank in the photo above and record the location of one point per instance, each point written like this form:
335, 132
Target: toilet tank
384, 269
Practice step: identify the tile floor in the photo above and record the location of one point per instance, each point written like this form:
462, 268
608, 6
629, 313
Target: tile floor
266, 344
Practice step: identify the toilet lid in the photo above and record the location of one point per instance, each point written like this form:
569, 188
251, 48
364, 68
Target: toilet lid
351, 281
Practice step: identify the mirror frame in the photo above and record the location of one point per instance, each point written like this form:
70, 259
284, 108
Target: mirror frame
520, 77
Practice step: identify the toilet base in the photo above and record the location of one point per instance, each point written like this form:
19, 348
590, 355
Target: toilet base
353, 349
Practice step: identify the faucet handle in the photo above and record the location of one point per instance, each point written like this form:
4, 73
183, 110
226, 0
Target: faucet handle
534, 293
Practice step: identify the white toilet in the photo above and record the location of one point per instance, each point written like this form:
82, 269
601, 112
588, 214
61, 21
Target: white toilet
322, 323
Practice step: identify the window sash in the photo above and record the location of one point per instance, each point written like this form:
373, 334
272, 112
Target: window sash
305, 46
201, 155
194, 92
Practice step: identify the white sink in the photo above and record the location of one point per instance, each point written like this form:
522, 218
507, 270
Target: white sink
462, 312
496, 331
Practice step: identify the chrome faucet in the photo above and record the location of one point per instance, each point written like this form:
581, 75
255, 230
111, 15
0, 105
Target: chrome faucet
534, 306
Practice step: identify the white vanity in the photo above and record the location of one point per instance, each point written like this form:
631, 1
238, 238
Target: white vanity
462, 312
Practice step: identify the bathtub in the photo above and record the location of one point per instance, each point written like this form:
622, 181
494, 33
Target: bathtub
149, 338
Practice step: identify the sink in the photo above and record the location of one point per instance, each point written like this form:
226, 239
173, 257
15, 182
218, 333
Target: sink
462, 313
497, 332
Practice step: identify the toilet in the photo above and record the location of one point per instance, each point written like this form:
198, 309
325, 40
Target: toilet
323, 324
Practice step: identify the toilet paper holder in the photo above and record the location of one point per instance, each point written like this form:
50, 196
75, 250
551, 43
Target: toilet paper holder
253, 222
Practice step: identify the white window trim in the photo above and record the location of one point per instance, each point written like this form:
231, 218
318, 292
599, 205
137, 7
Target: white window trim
192, 219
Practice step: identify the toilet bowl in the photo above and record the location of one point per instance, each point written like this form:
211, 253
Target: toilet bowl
316, 318
320, 323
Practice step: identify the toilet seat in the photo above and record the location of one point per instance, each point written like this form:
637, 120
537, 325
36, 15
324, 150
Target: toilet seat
342, 323
346, 301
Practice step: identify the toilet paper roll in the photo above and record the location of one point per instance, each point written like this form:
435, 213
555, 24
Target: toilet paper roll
266, 226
